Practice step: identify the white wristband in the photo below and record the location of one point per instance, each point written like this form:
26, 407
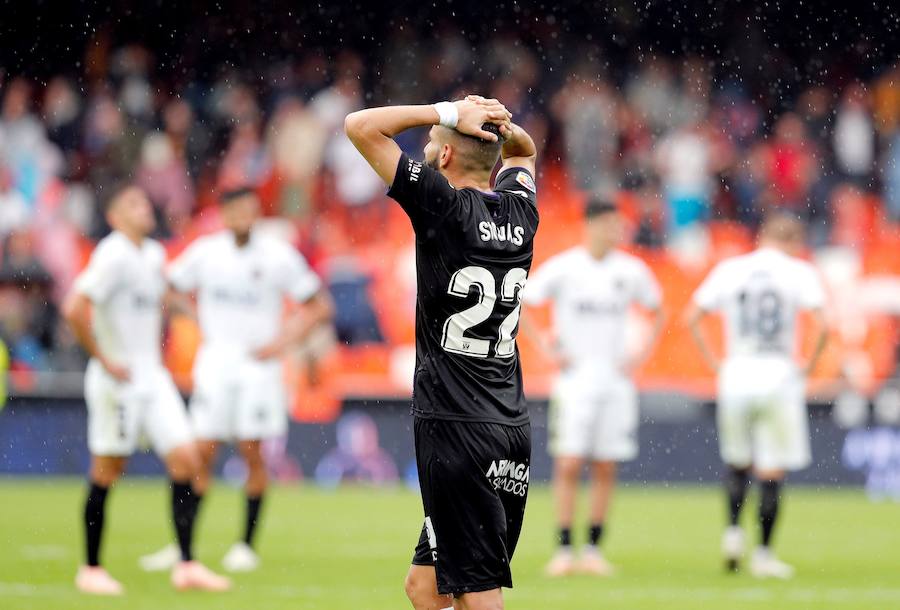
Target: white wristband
448, 113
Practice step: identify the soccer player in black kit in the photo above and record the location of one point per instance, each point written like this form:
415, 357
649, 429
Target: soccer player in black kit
474, 245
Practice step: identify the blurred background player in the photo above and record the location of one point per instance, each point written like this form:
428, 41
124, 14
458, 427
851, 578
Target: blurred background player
241, 278
761, 416
594, 408
474, 246
115, 311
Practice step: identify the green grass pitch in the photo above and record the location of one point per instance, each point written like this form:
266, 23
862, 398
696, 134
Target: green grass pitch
349, 550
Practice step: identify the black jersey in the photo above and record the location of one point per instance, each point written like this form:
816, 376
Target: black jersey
473, 254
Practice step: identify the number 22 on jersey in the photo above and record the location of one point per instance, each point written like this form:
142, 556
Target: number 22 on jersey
454, 339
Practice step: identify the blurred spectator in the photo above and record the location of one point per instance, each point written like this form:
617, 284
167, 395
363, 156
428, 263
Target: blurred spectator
684, 161
28, 316
356, 183
854, 136
61, 114
164, 177
653, 92
23, 143
14, 209
187, 136
791, 167
296, 141
587, 110
891, 165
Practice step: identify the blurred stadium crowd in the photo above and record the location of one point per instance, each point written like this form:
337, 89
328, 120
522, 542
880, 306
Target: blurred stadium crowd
692, 151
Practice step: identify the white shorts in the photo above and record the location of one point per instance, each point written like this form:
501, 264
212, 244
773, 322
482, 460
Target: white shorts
237, 397
593, 417
761, 416
123, 415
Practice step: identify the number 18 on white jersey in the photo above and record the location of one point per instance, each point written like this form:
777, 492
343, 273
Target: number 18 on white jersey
760, 296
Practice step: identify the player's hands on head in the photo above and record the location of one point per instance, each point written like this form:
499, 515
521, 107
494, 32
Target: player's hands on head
118, 372
475, 111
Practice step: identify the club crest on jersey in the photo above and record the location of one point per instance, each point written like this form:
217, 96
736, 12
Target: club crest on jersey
491, 231
527, 181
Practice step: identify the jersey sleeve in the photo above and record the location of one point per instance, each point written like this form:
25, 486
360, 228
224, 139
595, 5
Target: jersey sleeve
811, 292
99, 280
646, 289
517, 180
184, 272
543, 284
709, 295
300, 282
423, 193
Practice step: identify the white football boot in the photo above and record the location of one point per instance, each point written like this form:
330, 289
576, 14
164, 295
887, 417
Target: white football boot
194, 575
162, 560
240, 558
562, 563
733, 547
594, 563
95, 580
764, 564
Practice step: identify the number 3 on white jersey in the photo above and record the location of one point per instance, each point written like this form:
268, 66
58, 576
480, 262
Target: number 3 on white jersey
454, 339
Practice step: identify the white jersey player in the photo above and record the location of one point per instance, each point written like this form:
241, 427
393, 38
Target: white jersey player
115, 311
761, 415
241, 280
593, 409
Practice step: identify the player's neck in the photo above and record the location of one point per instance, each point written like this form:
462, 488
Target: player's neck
134, 237
241, 239
771, 245
599, 252
463, 181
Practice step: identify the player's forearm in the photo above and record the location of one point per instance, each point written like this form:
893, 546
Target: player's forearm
659, 319
700, 340
388, 121
821, 342
519, 144
180, 304
319, 310
76, 311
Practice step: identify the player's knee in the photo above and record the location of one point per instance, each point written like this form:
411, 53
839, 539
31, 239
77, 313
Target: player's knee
183, 462
105, 476
568, 468
419, 590
487, 601
604, 471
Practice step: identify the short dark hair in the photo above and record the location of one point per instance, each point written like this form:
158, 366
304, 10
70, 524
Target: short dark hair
479, 154
599, 207
234, 194
112, 193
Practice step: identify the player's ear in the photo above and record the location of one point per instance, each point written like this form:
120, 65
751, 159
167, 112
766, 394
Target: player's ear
445, 155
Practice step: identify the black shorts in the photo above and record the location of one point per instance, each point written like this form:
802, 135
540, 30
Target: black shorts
474, 482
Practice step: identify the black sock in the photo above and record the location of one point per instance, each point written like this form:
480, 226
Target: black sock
768, 509
565, 536
595, 534
184, 511
94, 511
736, 483
253, 505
